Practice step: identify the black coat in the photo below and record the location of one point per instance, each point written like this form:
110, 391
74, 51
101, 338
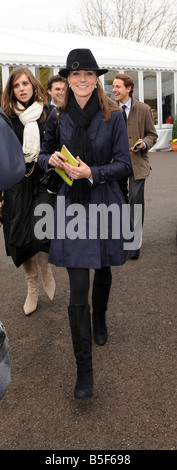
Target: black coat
20, 202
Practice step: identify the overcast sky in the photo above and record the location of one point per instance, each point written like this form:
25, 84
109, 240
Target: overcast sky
38, 14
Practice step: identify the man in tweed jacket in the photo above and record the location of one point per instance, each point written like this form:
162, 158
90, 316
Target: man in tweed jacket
139, 122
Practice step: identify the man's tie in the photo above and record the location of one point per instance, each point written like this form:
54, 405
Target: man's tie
124, 113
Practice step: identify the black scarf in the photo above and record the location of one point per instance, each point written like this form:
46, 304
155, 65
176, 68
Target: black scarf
80, 142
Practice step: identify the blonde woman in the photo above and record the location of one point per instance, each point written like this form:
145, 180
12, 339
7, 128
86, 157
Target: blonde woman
23, 101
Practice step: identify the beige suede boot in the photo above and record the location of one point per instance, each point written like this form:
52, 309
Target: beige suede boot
31, 276
46, 274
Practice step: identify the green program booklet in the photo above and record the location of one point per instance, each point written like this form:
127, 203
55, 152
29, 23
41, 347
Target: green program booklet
72, 161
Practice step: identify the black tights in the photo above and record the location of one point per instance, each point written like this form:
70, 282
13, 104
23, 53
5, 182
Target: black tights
80, 283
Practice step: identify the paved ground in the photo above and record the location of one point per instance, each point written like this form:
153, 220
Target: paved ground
135, 386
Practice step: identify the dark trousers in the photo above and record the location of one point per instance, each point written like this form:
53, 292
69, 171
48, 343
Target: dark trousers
123, 184
136, 195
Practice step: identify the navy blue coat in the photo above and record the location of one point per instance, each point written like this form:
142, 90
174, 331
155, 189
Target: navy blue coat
77, 241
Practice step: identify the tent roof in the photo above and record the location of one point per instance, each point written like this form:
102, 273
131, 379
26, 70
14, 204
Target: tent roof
51, 49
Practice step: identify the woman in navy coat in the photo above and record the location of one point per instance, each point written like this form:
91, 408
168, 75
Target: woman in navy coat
89, 225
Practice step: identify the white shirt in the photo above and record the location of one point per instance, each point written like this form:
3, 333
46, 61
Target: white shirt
127, 110
53, 103
128, 106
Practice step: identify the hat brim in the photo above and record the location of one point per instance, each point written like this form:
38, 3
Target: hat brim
64, 72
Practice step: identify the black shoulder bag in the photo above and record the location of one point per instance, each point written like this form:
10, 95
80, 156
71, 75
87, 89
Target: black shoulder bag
52, 180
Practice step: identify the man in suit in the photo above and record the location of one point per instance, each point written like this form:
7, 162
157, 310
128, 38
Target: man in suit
55, 88
139, 122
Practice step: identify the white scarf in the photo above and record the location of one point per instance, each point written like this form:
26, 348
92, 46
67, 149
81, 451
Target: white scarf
31, 135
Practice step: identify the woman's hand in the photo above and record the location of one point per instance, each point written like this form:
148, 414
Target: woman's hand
57, 160
78, 172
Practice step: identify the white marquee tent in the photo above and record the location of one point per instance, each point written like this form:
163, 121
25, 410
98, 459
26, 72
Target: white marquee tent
50, 49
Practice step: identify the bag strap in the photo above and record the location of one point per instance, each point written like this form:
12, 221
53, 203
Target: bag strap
57, 127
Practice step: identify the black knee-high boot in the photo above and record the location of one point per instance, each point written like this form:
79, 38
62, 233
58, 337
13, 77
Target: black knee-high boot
100, 296
79, 317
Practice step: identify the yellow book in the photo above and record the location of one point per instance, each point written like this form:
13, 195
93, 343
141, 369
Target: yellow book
72, 161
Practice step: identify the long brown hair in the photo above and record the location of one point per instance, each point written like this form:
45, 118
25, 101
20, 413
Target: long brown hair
106, 104
9, 101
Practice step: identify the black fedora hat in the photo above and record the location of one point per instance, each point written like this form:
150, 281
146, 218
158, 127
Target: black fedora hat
81, 59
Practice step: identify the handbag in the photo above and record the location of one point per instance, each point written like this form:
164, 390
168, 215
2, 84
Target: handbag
12, 163
51, 179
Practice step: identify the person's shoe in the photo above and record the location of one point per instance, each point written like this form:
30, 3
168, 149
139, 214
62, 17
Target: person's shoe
79, 318
31, 276
30, 304
137, 255
100, 332
84, 383
100, 296
48, 280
